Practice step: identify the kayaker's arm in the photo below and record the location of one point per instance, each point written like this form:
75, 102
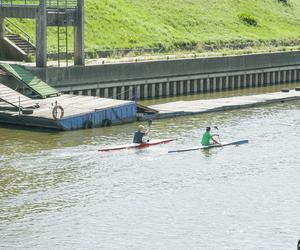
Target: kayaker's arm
214, 140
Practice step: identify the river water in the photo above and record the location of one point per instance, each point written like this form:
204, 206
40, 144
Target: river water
58, 192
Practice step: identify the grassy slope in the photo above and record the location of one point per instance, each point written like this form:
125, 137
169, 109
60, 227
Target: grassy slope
169, 23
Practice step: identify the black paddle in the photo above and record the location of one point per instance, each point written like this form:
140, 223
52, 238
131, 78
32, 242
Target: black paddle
149, 123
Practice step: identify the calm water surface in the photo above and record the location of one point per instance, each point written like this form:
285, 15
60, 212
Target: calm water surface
58, 192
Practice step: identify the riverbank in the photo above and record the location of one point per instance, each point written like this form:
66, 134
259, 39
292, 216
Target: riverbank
172, 25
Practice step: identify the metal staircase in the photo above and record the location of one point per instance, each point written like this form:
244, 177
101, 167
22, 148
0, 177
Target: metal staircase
22, 40
66, 15
24, 45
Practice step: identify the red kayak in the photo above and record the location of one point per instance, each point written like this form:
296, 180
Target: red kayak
137, 145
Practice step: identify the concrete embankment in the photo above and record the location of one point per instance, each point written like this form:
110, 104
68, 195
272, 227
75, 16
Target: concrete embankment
181, 108
153, 79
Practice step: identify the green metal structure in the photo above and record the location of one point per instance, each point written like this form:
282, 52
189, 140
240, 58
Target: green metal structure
39, 87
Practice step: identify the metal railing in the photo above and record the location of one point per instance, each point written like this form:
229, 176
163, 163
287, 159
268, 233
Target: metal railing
22, 34
26, 36
61, 3
50, 3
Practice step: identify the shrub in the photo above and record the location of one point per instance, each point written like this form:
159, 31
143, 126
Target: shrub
29, 58
285, 2
248, 19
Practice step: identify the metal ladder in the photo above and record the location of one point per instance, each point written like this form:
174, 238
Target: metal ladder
62, 33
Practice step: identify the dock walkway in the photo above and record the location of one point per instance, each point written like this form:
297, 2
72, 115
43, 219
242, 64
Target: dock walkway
182, 108
15, 99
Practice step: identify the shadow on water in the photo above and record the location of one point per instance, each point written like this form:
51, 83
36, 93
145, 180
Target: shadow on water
25, 128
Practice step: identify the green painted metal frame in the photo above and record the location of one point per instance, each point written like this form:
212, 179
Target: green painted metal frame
33, 82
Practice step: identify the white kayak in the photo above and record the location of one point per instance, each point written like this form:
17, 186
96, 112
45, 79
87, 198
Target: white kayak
209, 146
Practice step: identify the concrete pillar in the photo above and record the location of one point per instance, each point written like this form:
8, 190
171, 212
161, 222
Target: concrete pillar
214, 86
160, 89
115, 93
273, 78
122, 92
279, 76
98, 92
80, 92
220, 83
79, 35
167, 89
89, 92
239, 82
268, 78
174, 88
153, 90
201, 85
138, 92
256, 79
250, 81
262, 78
181, 88
41, 35
227, 82
146, 91
283, 76
130, 93
188, 87
287, 78
106, 94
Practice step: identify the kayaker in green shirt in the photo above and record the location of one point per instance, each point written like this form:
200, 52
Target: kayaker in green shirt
207, 138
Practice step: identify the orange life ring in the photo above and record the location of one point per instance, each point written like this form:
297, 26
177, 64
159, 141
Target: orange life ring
55, 113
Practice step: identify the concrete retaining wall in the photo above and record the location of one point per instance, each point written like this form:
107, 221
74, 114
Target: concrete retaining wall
174, 77
10, 51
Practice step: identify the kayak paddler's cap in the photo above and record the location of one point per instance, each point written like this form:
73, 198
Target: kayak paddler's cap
207, 129
141, 128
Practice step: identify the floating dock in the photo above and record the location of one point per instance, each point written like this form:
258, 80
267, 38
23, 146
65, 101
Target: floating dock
181, 108
44, 107
74, 112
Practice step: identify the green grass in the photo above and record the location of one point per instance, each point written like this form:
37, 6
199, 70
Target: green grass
174, 24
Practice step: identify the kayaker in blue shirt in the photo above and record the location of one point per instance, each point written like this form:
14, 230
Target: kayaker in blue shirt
138, 135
